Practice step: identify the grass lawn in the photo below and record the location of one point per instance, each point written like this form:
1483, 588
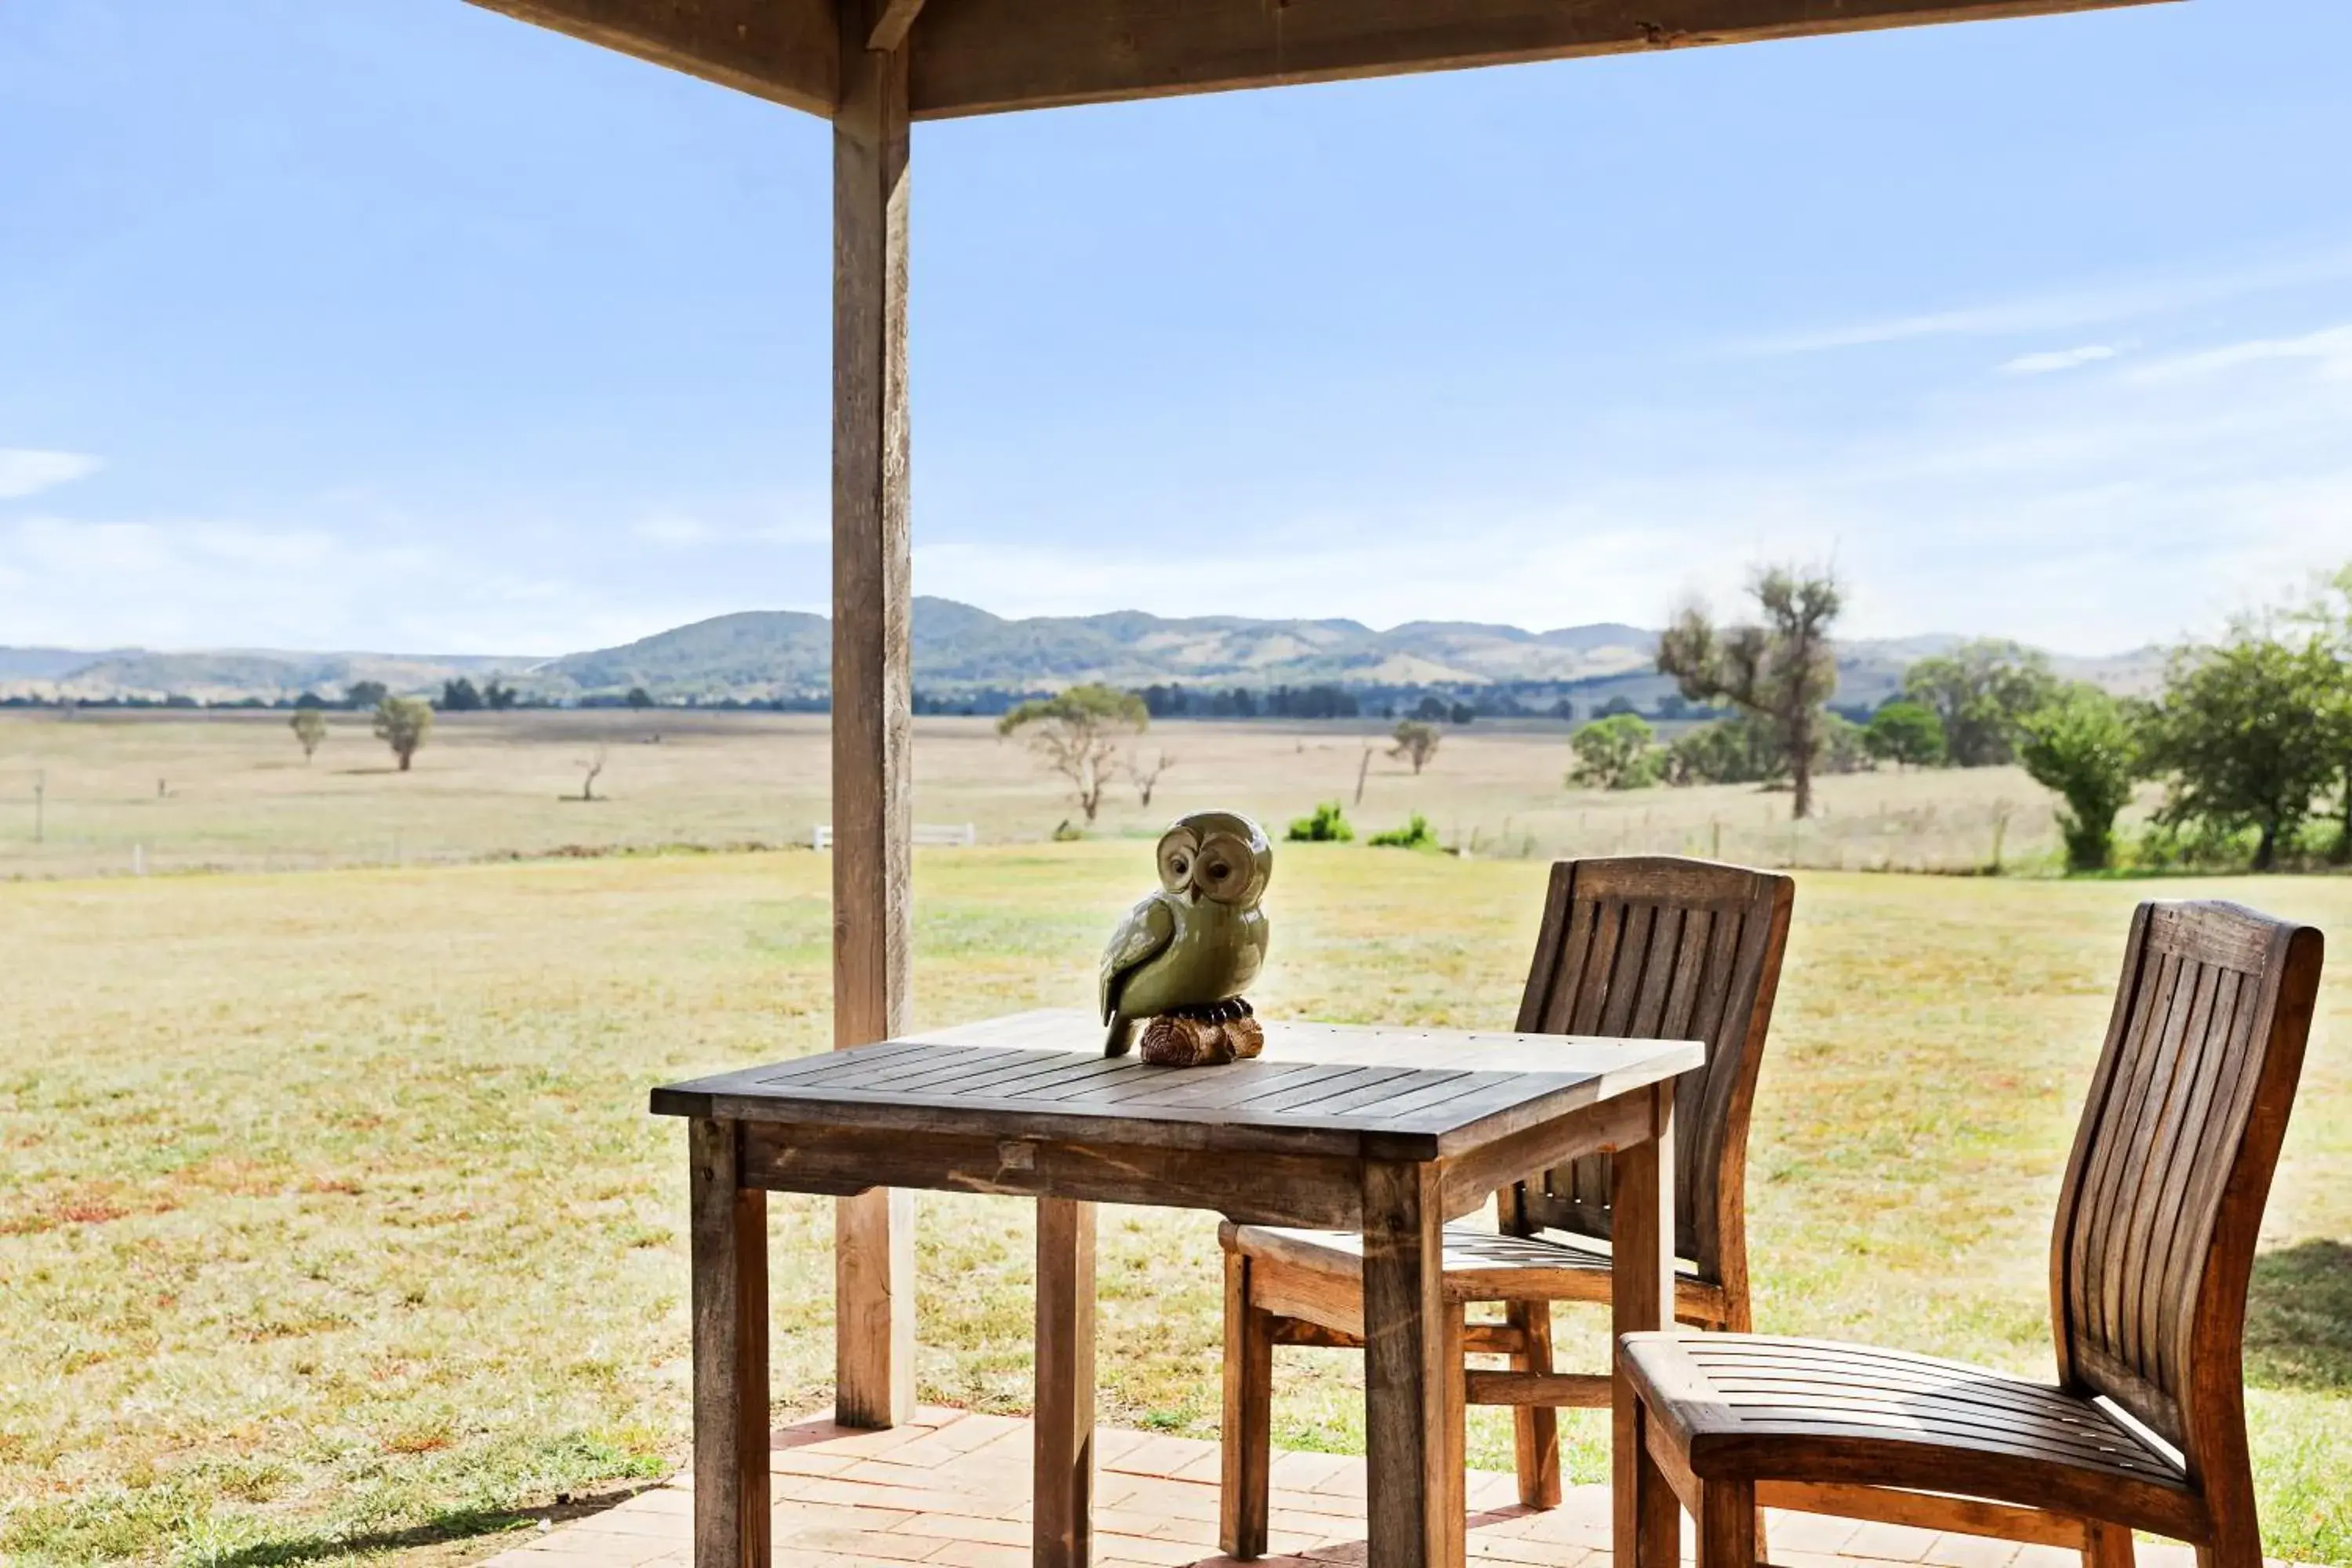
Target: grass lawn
331, 1221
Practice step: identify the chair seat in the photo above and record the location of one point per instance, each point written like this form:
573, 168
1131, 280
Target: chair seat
1480, 1265
1748, 1406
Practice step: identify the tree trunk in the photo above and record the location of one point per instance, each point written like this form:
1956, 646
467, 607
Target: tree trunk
2266, 848
403, 761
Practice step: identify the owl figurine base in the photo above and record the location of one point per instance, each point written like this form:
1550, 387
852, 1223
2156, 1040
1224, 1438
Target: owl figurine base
1203, 1036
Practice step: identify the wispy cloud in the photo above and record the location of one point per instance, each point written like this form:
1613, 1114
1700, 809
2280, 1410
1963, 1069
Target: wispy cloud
2330, 350
2056, 360
26, 470
2121, 299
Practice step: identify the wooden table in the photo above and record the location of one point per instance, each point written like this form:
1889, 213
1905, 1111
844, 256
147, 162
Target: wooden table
1390, 1132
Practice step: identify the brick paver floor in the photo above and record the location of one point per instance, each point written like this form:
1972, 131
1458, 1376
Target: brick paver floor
952, 1489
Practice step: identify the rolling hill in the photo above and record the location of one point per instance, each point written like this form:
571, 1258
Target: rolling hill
961, 653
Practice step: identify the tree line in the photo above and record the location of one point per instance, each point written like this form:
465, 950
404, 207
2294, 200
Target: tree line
2250, 736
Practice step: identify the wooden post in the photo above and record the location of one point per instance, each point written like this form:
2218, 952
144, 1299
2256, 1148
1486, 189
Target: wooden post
1641, 1291
1062, 1495
727, 1229
873, 814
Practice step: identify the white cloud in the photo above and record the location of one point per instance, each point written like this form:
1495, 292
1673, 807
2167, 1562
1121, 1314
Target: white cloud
2119, 300
26, 471
2329, 349
2058, 360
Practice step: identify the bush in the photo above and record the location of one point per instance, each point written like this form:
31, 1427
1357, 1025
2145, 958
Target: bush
1328, 826
1729, 751
2082, 745
1413, 835
1615, 753
1906, 733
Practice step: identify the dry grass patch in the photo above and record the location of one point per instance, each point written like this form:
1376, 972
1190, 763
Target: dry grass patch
376, 1245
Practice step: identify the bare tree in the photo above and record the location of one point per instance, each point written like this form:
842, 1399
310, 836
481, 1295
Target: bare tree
1782, 670
1077, 733
1416, 741
595, 765
1147, 779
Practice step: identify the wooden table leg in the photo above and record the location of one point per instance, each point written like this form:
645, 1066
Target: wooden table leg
728, 1234
1412, 1375
1642, 1240
1064, 1486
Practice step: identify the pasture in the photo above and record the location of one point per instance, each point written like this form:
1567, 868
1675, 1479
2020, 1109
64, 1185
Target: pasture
162, 792
332, 1225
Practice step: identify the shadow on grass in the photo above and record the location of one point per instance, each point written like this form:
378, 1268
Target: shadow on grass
442, 1528
2299, 1317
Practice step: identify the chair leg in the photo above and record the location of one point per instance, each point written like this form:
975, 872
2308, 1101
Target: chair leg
1535, 1427
1657, 1512
1726, 1524
2106, 1545
1245, 1493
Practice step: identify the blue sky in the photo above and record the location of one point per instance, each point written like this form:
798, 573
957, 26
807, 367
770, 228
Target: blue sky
397, 324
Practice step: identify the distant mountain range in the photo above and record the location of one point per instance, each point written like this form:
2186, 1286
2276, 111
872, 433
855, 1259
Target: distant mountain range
961, 653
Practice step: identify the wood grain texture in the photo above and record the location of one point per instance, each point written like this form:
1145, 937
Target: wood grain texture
727, 1230
1440, 1107
1642, 1203
1062, 1535
1535, 1429
2151, 1256
980, 56
1674, 948
872, 784
1413, 1375
1245, 1493
1927, 1510
781, 50
1285, 1188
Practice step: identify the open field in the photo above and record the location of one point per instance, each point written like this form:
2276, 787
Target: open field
331, 1221
171, 791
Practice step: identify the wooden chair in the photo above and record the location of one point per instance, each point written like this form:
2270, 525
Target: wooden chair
1634, 948
2144, 1428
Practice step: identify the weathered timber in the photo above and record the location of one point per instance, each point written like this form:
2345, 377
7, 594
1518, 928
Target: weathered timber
982, 56
783, 50
1302, 1141
1640, 946
2150, 1256
727, 1232
873, 782
1063, 1525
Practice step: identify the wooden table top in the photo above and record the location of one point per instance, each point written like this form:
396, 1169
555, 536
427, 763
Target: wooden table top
1320, 1087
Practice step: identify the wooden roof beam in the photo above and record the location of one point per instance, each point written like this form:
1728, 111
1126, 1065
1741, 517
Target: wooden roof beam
787, 51
983, 57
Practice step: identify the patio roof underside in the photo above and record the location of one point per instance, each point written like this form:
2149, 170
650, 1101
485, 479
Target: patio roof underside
988, 57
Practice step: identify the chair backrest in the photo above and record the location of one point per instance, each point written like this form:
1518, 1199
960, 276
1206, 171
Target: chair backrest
2163, 1199
1663, 948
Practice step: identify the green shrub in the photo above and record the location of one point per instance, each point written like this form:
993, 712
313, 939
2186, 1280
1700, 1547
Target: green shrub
1328, 826
1614, 753
2082, 746
1413, 835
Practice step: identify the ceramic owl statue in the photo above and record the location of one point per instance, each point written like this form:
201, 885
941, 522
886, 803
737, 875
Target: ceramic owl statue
1182, 957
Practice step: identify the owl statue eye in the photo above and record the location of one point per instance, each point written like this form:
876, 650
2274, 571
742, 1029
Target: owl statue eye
1224, 869
1177, 854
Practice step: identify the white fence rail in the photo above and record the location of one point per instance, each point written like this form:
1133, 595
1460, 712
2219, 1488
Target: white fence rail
950, 834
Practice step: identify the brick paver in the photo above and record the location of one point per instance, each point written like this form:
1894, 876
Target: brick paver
952, 1489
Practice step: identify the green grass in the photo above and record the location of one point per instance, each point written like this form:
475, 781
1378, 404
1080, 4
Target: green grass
332, 1223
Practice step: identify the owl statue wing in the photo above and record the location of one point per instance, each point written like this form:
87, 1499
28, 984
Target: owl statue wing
1141, 937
